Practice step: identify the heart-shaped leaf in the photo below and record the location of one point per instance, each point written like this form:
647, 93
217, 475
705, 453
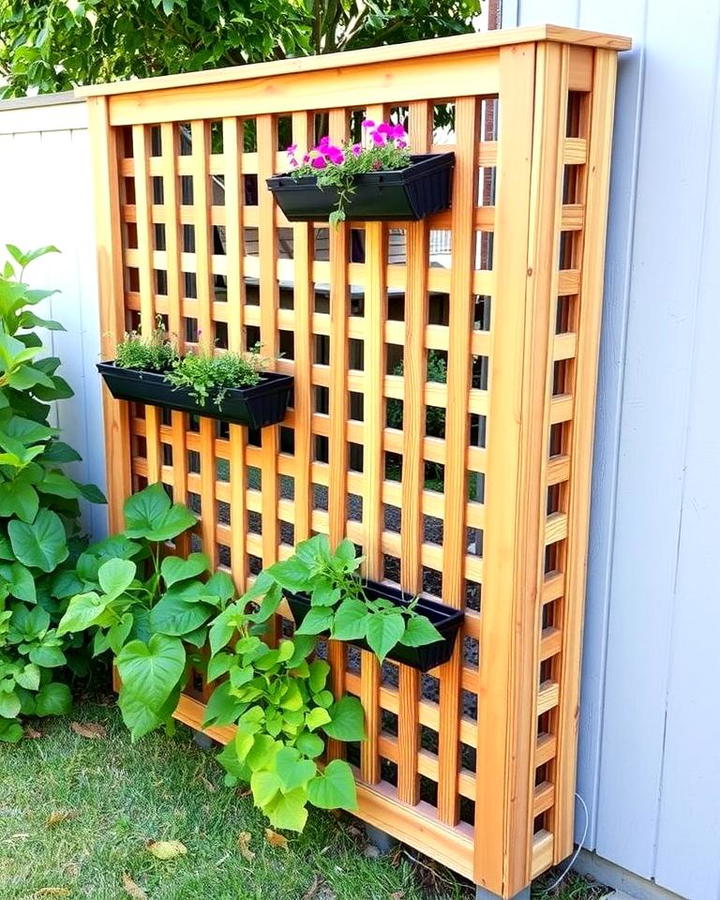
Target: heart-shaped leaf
334, 788
116, 576
384, 632
82, 611
152, 670
347, 720
174, 568
41, 544
151, 515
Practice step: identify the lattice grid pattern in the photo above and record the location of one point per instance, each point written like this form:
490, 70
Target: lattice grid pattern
442, 410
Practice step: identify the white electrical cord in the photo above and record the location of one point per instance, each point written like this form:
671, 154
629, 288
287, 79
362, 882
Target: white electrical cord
577, 852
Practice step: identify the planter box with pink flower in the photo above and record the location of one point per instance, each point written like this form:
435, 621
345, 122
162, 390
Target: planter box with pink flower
374, 181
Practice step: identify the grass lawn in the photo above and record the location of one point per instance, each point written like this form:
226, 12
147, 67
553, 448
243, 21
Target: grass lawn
76, 814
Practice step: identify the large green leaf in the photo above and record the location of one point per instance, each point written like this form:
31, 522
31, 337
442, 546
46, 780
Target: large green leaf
82, 612
53, 699
140, 716
334, 788
9, 704
292, 770
18, 499
175, 615
10, 731
384, 632
116, 576
292, 574
311, 745
41, 544
288, 810
174, 568
351, 620
347, 720
317, 620
19, 582
264, 786
151, 515
152, 671
59, 485
419, 631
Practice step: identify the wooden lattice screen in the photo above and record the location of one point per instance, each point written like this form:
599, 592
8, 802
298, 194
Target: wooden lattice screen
470, 482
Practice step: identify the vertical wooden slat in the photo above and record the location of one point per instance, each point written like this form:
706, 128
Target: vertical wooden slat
501, 606
200, 150
143, 205
168, 152
411, 535
105, 150
551, 78
338, 406
266, 144
456, 441
232, 153
591, 293
302, 123
373, 430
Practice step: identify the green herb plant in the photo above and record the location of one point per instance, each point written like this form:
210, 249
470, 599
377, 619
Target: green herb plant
40, 533
156, 353
208, 378
151, 611
339, 605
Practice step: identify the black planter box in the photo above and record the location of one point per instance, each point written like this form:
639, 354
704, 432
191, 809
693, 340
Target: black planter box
446, 619
422, 188
261, 404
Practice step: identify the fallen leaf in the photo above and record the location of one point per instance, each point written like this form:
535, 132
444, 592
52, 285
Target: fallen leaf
275, 839
243, 842
31, 733
52, 892
132, 889
59, 816
166, 849
313, 889
92, 730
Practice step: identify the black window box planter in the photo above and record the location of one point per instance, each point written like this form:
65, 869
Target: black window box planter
261, 404
422, 188
446, 619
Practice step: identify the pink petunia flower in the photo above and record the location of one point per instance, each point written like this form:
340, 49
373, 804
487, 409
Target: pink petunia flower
378, 138
385, 128
368, 123
334, 155
357, 149
318, 162
401, 145
397, 131
291, 149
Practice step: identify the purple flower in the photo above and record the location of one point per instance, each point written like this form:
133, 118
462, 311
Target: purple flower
293, 162
324, 141
378, 138
385, 128
397, 131
318, 162
291, 149
357, 149
401, 145
368, 123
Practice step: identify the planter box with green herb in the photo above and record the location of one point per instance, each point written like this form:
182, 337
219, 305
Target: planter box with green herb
380, 181
233, 387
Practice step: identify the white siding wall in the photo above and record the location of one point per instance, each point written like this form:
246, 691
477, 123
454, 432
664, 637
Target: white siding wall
45, 198
650, 727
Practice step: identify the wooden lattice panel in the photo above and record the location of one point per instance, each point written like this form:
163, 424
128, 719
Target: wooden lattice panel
444, 392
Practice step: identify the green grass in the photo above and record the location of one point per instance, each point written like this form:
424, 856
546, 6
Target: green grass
120, 796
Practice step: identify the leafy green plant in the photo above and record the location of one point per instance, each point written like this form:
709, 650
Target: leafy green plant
338, 166
156, 353
279, 701
40, 534
209, 378
151, 611
339, 605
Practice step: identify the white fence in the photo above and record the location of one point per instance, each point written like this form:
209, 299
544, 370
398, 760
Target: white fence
650, 730
45, 198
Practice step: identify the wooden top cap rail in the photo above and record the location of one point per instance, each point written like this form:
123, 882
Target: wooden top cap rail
436, 47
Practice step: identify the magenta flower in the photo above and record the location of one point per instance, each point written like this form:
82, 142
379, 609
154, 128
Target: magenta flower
397, 131
318, 162
368, 123
324, 141
357, 149
401, 145
293, 162
291, 149
306, 158
378, 138
385, 128
334, 155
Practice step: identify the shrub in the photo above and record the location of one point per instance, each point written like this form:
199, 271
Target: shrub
154, 354
40, 535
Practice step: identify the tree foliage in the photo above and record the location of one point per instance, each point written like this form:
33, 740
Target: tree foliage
53, 45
